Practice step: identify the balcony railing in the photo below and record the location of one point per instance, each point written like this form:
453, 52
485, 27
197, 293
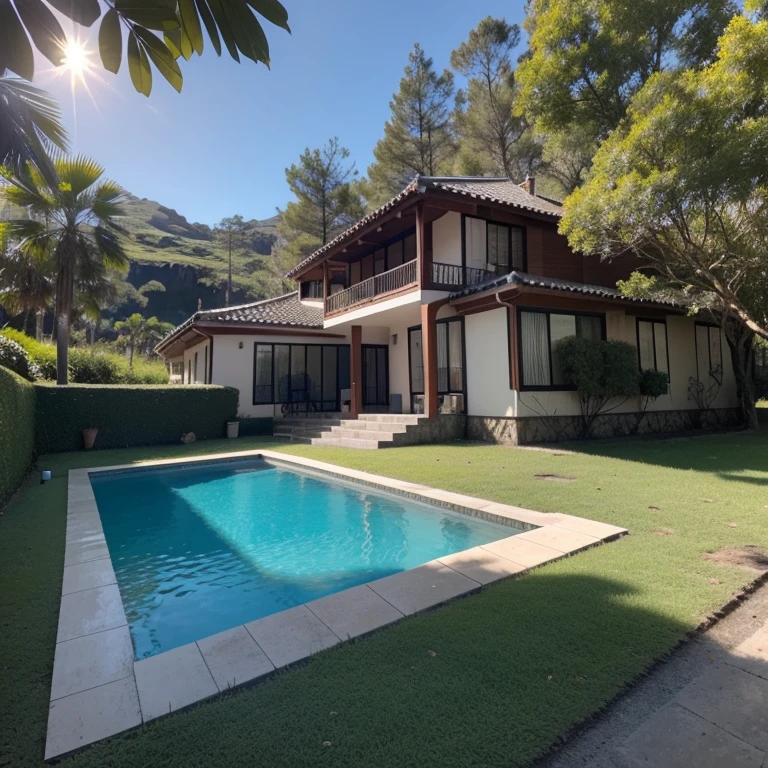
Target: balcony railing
455, 275
391, 280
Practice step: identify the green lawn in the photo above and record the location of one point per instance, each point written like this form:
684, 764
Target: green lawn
516, 666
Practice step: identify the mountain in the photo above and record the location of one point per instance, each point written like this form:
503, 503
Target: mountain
191, 262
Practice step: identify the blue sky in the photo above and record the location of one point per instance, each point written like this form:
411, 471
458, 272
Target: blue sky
221, 146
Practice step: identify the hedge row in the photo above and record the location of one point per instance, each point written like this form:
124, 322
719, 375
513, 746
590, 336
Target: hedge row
129, 415
17, 430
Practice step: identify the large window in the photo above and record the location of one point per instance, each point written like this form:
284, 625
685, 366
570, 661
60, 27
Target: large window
539, 333
709, 353
312, 374
450, 360
312, 289
493, 246
652, 352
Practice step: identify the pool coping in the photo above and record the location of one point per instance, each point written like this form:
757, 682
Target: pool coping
99, 690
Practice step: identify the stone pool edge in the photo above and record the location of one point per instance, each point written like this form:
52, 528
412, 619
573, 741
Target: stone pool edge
97, 688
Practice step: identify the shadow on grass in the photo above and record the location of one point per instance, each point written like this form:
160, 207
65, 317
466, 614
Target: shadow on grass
728, 455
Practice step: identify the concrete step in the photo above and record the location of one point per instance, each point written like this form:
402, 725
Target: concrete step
296, 438
375, 426
363, 434
294, 422
298, 433
392, 418
346, 442
317, 415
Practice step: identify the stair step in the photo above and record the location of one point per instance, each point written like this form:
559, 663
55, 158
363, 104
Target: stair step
309, 423
346, 442
375, 426
364, 434
392, 418
297, 438
296, 434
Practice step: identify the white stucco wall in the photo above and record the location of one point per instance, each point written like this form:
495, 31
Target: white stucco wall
446, 238
488, 392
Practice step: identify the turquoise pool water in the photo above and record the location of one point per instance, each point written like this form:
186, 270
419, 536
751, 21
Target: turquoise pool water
200, 549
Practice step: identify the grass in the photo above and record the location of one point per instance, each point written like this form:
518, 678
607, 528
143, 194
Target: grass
517, 666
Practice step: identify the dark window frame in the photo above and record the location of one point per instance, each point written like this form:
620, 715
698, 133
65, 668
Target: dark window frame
496, 223
652, 321
272, 345
548, 312
194, 368
440, 392
709, 327
363, 347
205, 364
316, 291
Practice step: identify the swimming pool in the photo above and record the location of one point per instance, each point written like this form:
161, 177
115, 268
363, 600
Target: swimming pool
200, 549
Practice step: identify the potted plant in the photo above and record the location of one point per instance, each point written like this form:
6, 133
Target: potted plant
89, 437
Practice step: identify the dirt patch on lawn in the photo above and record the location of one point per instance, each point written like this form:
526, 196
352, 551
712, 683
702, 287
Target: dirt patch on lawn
752, 557
556, 478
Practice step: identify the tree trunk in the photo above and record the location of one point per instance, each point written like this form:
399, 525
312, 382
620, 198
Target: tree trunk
39, 319
64, 291
741, 344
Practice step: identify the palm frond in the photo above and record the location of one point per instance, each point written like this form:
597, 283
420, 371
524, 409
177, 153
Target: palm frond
77, 173
110, 247
30, 127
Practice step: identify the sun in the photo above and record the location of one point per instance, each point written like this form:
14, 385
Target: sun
75, 59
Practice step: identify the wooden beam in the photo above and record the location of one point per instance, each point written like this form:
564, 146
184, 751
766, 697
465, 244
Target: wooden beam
356, 371
421, 245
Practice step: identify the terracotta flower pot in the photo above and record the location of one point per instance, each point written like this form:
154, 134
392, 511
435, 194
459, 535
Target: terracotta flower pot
89, 437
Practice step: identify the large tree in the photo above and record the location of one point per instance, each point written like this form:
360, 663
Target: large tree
683, 183
231, 231
327, 200
418, 137
492, 140
157, 33
588, 58
73, 222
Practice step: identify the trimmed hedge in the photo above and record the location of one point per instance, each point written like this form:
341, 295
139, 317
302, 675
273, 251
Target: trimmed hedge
17, 435
129, 415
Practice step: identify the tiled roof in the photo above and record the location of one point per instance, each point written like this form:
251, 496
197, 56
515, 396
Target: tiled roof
285, 311
495, 190
535, 281
492, 190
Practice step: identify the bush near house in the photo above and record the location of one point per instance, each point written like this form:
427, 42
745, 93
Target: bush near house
88, 365
129, 415
17, 425
14, 357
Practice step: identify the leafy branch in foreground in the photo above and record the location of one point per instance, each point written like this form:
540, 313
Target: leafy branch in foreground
157, 32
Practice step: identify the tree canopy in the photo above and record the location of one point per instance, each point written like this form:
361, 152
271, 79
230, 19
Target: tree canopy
327, 200
589, 57
491, 138
157, 33
683, 183
418, 137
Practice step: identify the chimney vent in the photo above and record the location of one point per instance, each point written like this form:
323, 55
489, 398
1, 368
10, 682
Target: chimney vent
530, 184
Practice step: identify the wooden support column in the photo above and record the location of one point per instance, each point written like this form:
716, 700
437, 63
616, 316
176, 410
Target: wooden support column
356, 372
325, 286
421, 247
429, 354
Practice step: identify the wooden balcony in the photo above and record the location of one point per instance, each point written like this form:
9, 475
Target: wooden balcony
397, 279
453, 276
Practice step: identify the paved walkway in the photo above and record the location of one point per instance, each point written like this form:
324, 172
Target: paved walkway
706, 707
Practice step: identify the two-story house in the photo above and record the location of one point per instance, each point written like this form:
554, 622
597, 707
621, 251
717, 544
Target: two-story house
448, 301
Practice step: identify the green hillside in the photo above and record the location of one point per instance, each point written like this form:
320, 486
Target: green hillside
160, 235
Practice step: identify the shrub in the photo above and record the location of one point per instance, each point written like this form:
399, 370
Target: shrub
600, 371
129, 415
17, 424
653, 384
14, 357
87, 367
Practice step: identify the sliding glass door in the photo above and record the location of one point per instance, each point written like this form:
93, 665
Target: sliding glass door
375, 376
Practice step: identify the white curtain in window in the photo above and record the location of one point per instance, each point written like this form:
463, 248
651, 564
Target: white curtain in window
475, 242
442, 357
660, 343
645, 345
456, 383
560, 327
535, 349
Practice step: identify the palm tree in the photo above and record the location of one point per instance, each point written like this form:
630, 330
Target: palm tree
72, 221
141, 331
30, 126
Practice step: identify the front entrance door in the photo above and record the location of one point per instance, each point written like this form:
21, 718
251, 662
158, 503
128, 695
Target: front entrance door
375, 376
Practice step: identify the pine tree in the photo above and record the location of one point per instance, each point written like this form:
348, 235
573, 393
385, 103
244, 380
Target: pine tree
418, 137
492, 141
327, 201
